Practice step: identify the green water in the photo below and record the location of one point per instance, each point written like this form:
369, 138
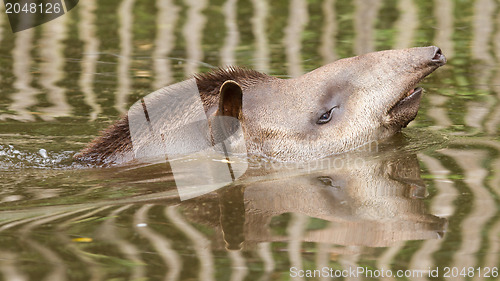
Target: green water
427, 199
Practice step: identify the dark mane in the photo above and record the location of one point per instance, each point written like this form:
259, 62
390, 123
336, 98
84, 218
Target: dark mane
111, 141
115, 140
209, 83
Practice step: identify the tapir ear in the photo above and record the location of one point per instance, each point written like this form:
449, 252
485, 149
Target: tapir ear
230, 99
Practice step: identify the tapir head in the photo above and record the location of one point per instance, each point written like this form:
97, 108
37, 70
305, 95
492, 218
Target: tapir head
334, 108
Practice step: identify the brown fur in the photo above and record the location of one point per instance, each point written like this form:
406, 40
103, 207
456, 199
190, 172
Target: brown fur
116, 138
209, 83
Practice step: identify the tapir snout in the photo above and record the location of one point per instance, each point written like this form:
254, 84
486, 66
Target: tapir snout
438, 56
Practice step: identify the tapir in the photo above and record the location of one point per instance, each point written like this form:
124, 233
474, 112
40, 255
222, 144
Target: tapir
333, 109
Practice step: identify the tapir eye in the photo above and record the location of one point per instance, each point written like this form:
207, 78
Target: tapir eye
326, 117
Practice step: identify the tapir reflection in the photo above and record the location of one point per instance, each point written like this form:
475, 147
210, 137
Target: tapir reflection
366, 201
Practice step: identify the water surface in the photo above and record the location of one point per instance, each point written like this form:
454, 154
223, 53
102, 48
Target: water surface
427, 199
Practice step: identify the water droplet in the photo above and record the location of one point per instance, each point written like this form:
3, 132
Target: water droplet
43, 153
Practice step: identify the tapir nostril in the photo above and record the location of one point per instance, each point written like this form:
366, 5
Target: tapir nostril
438, 56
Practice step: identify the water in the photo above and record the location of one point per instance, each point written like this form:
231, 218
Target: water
427, 199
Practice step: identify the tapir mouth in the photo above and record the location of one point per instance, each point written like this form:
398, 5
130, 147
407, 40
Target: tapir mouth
413, 95
407, 98
406, 108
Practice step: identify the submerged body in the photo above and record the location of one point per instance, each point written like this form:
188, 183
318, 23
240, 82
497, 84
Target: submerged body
330, 110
